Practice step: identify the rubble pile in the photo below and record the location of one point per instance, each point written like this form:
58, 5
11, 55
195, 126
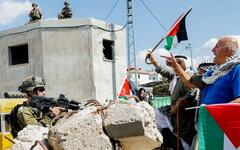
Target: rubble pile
132, 126
82, 130
28, 136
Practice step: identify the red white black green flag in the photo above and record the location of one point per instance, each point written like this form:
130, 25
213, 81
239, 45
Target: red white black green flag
177, 32
127, 88
219, 127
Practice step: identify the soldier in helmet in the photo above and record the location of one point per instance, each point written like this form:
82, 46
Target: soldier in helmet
66, 12
27, 114
35, 14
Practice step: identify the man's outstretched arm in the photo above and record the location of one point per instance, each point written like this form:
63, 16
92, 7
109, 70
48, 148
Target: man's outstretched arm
181, 73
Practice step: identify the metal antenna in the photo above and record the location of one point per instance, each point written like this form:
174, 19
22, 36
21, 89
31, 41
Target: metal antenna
189, 48
131, 41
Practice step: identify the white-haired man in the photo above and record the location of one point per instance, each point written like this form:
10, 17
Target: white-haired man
220, 83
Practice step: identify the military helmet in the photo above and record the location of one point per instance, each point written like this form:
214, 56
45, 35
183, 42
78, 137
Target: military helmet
30, 83
66, 3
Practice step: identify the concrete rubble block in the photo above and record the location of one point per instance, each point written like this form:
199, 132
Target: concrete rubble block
133, 125
81, 131
28, 136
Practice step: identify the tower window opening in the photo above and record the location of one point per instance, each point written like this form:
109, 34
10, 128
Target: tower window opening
18, 54
108, 47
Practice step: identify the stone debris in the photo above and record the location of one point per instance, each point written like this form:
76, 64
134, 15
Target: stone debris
81, 131
28, 136
133, 125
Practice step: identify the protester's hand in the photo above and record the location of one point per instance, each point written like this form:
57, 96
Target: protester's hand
171, 61
57, 110
151, 57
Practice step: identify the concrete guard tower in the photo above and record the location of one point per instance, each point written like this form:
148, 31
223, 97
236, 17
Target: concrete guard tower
76, 57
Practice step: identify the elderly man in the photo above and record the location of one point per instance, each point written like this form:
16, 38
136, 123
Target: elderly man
220, 83
181, 97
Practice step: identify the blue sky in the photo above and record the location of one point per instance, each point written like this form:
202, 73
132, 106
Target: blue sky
209, 20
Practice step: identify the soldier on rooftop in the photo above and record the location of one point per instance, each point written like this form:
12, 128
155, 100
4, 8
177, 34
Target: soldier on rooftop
35, 14
66, 11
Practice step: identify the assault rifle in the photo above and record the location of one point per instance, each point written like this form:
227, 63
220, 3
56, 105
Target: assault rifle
45, 103
14, 95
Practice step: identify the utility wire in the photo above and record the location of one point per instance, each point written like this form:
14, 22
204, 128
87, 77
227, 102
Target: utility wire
97, 27
67, 27
109, 13
149, 10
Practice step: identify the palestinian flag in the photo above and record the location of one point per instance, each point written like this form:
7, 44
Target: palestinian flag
128, 88
177, 32
219, 127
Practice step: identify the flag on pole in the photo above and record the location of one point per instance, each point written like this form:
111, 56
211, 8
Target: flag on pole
219, 127
177, 32
127, 88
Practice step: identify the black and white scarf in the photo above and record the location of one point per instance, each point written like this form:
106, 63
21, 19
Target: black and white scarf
218, 71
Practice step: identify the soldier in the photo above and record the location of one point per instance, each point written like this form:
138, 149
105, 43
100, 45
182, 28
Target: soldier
35, 14
25, 114
66, 12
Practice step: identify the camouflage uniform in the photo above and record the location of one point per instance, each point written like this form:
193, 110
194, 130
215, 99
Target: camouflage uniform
28, 115
35, 14
66, 12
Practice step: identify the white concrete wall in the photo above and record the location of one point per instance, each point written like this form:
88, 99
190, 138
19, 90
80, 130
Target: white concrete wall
108, 74
155, 77
69, 56
144, 78
141, 78
67, 63
12, 75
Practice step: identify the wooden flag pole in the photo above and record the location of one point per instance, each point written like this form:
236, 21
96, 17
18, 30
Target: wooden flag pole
178, 127
148, 55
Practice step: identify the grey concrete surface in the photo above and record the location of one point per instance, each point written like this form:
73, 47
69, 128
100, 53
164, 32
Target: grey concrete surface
68, 53
81, 131
133, 125
26, 138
